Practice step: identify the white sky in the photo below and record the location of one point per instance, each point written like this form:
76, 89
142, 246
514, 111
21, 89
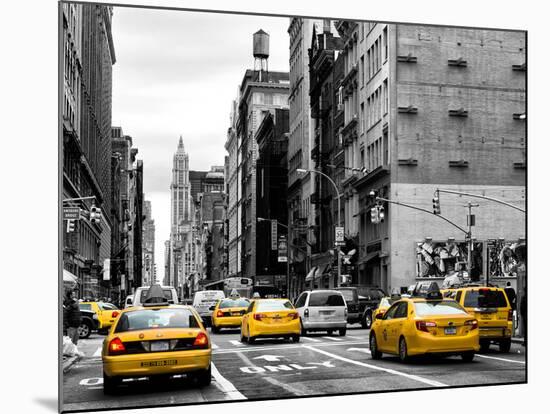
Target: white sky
177, 72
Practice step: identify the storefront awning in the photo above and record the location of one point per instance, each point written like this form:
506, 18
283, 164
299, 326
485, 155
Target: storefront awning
369, 257
311, 273
69, 280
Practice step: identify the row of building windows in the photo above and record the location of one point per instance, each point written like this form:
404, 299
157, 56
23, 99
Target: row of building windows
377, 106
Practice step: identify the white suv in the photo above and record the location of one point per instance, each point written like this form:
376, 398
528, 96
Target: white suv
322, 310
141, 293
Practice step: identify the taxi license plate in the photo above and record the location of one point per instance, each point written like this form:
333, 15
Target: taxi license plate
450, 330
159, 363
236, 313
160, 346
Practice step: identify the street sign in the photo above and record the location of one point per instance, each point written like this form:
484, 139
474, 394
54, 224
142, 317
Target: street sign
107, 269
339, 231
71, 213
471, 219
273, 234
283, 250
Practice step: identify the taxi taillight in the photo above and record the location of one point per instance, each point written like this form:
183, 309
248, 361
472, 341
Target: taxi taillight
472, 324
219, 313
293, 315
259, 316
116, 347
424, 325
510, 315
114, 314
201, 341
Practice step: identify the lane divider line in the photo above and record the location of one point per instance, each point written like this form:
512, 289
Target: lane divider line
252, 348
237, 343
375, 367
354, 337
310, 339
227, 387
500, 359
332, 339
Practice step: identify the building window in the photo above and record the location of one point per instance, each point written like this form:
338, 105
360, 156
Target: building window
385, 35
362, 74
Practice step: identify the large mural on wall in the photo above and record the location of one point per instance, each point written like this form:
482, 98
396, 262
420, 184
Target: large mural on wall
441, 259
504, 259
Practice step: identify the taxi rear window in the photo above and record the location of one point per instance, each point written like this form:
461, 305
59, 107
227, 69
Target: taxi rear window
326, 299
85, 306
485, 299
273, 305
438, 308
234, 303
156, 318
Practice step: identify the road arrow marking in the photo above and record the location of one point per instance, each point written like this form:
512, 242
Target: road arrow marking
332, 339
214, 346
500, 359
236, 343
97, 352
326, 364
269, 358
310, 339
365, 350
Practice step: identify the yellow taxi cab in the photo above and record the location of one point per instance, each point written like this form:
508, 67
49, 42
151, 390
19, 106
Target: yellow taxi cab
425, 323
228, 313
156, 339
270, 318
491, 307
385, 304
106, 313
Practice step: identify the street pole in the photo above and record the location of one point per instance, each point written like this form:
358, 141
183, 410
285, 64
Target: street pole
469, 237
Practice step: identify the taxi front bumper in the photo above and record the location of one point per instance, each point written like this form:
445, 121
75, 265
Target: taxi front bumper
426, 343
158, 363
267, 330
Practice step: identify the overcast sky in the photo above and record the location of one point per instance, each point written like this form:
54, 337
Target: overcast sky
176, 72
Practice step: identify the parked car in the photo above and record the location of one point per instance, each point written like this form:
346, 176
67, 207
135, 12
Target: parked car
89, 323
322, 310
361, 302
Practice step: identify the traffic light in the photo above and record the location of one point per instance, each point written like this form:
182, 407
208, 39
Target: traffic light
437, 207
95, 214
381, 214
374, 215
70, 226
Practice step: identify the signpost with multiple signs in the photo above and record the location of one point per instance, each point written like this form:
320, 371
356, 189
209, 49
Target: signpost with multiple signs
283, 250
273, 234
339, 236
71, 213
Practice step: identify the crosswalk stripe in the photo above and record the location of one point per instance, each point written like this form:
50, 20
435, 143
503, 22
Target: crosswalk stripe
332, 339
310, 339
236, 343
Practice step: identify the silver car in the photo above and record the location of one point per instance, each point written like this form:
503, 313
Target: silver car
322, 310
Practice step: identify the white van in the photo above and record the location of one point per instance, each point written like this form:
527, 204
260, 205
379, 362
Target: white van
141, 294
204, 302
322, 310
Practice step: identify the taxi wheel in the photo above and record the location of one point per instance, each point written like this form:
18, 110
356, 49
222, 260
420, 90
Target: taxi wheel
296, 338
243, 338
215, 329
110, 384
403, 353
505, 345
329, 332
251, 339
342, 332
468, 356
374, 352
204, 378
366, 323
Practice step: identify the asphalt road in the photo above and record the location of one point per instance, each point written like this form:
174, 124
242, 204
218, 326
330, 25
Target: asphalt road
317, 365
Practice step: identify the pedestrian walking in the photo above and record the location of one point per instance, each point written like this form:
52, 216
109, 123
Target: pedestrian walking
512, 297
523, 314
71, 316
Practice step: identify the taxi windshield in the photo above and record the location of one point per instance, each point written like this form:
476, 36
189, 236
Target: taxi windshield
433, 308
156, 318
273, 305
234, 303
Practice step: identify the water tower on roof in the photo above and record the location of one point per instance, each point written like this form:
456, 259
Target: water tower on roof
261, 53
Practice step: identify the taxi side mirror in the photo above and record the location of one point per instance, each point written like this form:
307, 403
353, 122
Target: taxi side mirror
212, 307
379, 316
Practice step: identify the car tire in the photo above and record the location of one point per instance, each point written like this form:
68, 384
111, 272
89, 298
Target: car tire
505, 345
468, 356
484, 345
215, 329
110, 384
296, 338
342, 332
329, 332
204, 377
84, 330
403, 351
374, 352
251, 339
243, 338
366, 321
303, 330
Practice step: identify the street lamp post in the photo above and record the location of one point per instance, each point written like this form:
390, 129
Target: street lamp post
301, 170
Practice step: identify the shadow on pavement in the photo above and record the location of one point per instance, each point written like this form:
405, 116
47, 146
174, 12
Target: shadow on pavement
49, 403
